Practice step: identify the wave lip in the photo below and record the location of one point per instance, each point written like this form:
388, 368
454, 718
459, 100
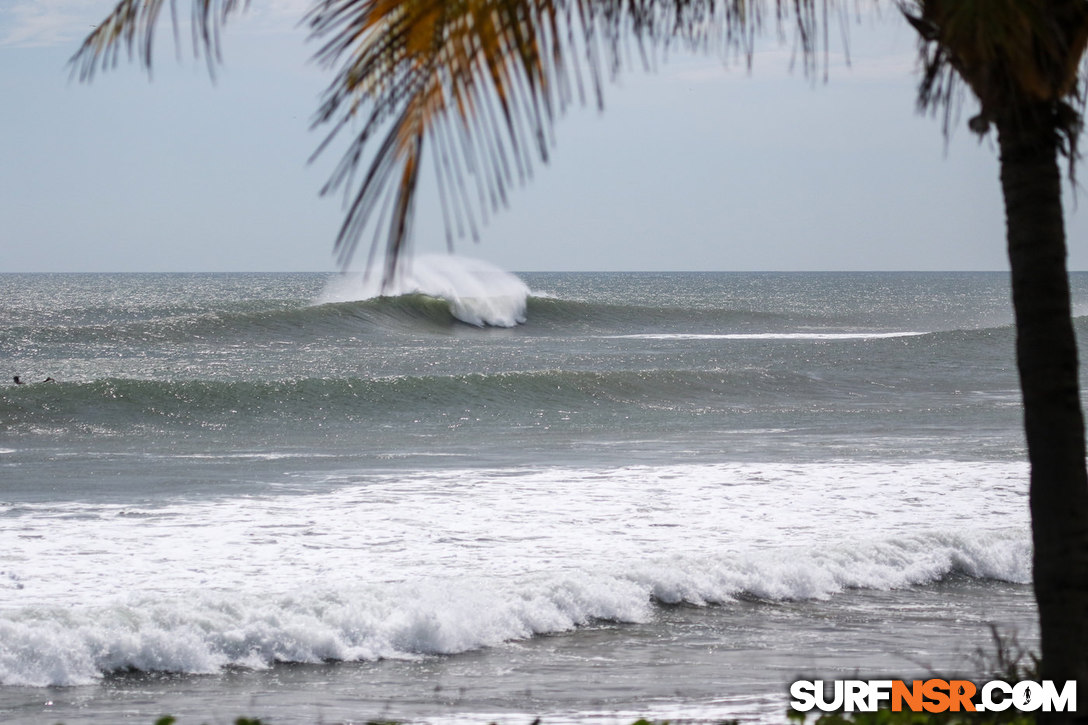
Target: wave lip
477, 292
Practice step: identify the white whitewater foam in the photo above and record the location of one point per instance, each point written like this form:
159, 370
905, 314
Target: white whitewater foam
374, 566
477, 292
203, 632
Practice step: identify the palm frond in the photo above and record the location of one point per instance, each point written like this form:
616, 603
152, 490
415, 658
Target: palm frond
131, 27
1010, 53
479, 83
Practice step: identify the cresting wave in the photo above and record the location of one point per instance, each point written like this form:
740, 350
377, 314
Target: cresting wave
476, 292
348, 307
406, 313
205, 632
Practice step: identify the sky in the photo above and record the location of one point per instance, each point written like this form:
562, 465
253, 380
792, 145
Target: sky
695, 165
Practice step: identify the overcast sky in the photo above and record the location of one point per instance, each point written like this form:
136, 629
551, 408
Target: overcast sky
694, 166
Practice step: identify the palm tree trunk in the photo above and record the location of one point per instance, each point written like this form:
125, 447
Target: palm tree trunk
1046, 351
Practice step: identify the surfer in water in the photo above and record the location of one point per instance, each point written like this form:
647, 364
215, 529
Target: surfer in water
20, 382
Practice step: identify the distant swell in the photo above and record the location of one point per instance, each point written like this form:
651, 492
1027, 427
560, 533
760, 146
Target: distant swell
203, 633
122, 403
769, 382
403, 314
414, 313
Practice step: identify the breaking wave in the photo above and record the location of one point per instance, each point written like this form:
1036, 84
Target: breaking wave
206, 632
475, 292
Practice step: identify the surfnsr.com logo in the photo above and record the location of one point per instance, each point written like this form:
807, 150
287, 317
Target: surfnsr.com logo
932, 696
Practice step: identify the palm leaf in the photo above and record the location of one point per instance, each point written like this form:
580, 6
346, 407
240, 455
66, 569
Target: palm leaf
1011, 53
477, 84
132, 24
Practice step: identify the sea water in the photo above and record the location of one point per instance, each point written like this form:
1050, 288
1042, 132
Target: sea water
480, 496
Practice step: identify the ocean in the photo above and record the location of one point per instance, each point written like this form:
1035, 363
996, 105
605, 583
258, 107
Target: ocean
487, 497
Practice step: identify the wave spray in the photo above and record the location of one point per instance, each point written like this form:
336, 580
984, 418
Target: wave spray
478, 292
